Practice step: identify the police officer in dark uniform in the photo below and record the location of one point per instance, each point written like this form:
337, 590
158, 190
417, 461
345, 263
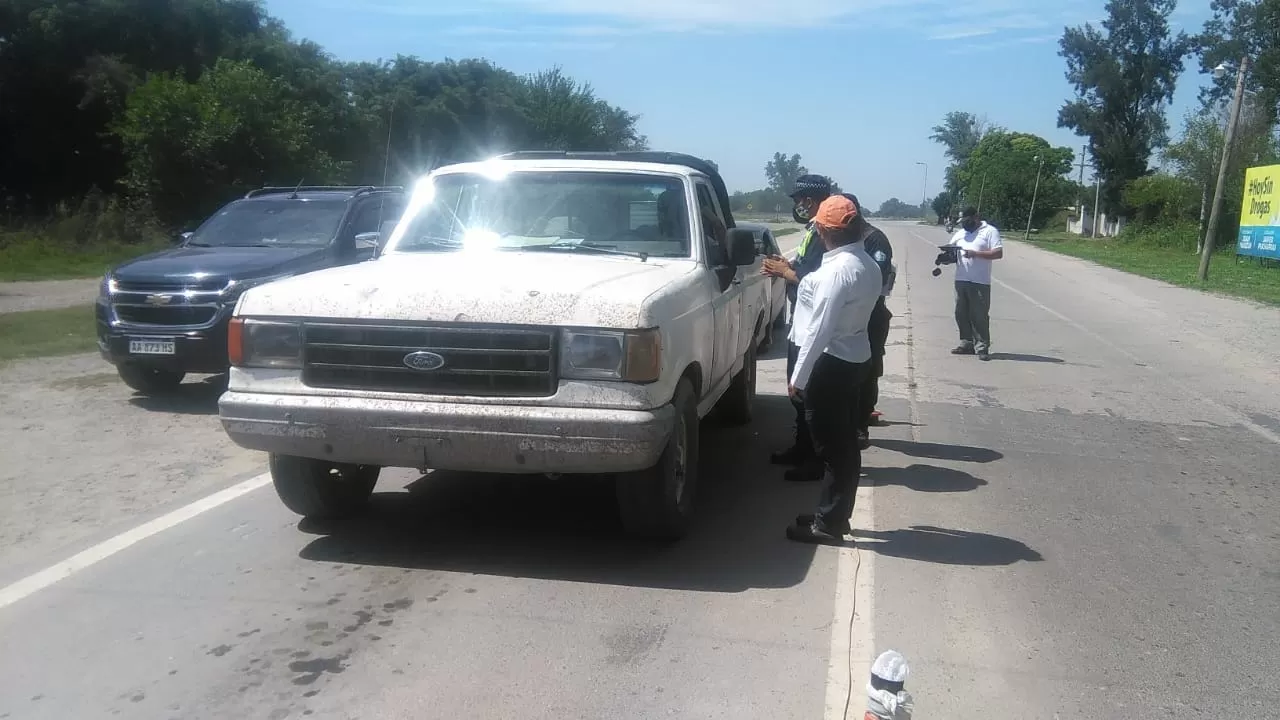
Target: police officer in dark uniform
807, 195
877, 246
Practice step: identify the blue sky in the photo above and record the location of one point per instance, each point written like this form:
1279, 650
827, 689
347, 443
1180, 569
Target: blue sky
854, 86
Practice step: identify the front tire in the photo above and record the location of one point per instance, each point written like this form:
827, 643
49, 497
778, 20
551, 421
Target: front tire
737, 404
320, 489
149, 380
657, 503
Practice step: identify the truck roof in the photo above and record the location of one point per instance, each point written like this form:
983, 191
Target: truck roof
635, 158
317, 192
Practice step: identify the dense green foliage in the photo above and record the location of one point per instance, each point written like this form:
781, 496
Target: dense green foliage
1124, 77
178, 106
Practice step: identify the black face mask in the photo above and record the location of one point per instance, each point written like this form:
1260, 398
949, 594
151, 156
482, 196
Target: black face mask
969, 224
800, 214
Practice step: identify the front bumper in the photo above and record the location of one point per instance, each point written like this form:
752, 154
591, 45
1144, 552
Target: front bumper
199, 350
448, 436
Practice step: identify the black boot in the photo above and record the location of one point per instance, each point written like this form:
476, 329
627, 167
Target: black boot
792, 456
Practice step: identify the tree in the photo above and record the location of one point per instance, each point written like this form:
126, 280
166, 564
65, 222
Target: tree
1196, 155
960, 133
1123, 78
782, 171
1003, 170
184, 103
1239, 28
234, 127
895, 208
942, 205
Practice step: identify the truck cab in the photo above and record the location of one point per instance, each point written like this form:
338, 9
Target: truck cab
537, 313
164, 315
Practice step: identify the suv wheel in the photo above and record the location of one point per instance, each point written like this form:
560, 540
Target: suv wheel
320, 489
736, 405
149, 380
658, 502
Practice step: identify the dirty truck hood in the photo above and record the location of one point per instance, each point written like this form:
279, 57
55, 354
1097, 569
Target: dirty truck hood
485, 287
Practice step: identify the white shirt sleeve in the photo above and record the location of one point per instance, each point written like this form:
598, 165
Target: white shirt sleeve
994, 242
821, 328
957, 237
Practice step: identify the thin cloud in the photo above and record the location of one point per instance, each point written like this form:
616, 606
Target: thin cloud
962, 34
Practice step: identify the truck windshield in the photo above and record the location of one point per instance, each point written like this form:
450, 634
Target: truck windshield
271, 223
533, 211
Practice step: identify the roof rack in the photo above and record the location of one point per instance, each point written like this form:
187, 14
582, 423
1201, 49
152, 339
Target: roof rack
353, 189
706, 167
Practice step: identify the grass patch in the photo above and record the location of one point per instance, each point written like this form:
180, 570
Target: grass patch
1161, 258
33, 258
45, 333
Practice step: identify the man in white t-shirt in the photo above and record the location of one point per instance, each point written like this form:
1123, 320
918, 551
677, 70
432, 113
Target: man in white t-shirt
980, 245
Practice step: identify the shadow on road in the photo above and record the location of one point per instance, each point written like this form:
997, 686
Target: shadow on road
568, 529
946, 547
926, 478
189, 398
935, 451
1019, 357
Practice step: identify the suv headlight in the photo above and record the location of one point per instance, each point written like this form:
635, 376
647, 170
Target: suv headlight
108, 286
264, 343
626, 355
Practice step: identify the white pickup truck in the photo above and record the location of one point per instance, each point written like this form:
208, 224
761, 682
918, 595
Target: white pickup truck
541, 312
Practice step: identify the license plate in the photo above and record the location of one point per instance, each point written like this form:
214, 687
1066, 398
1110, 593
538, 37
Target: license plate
151, 347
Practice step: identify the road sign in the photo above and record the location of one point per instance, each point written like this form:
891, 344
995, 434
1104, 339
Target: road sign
750, 207
1260, 213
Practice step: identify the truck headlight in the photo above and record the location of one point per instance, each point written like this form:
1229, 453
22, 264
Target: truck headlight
264, 343
627, 355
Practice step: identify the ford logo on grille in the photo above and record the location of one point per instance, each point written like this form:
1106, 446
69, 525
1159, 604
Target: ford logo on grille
424, 361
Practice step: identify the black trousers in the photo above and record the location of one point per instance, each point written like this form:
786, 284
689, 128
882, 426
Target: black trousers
869, 394
804, 442
829, 397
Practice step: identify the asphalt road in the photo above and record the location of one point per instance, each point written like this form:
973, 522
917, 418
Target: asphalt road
1083, 526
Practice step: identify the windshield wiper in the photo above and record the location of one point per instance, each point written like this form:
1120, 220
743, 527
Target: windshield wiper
588, 247
433, 242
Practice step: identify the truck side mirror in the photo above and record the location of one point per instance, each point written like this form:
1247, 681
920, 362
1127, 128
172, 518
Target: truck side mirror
183, 237
742, 247
366, 240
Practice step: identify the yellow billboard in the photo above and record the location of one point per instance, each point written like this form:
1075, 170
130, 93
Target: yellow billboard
1260, 213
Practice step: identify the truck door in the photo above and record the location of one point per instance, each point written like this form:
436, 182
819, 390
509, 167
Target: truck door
727, 306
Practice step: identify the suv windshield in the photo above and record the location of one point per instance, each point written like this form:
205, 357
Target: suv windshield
258, 223
623, 213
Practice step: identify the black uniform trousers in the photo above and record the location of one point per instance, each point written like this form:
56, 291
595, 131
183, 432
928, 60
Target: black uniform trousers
878, 334
804, 442
829, 399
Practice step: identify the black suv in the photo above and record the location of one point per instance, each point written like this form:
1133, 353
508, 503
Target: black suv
164, 315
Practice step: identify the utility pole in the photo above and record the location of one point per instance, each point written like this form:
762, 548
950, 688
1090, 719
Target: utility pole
924, 192
1080, 186
1097, 199
1210, 233
1034, 193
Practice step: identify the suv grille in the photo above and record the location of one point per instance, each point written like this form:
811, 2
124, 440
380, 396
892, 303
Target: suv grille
161, 315
488, 361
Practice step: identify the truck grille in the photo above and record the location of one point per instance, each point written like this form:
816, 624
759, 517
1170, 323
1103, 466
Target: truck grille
487, 361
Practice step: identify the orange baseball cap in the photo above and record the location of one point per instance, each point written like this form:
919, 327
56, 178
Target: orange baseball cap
836, 212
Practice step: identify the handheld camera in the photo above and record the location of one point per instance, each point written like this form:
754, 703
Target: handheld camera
950, 255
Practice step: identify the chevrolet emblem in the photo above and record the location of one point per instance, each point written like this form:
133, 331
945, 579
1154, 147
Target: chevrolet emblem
159, 299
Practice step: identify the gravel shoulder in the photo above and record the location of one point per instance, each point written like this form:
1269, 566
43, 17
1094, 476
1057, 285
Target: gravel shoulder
86, 457
46, 294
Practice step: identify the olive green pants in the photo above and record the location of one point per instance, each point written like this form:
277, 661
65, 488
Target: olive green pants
973, 315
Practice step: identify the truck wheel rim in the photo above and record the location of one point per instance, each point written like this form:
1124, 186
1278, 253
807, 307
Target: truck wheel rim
681, 458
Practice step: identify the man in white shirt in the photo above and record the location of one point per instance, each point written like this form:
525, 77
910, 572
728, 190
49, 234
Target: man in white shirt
833, 307
979, 245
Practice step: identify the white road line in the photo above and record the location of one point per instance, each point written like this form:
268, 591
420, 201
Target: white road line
1244, 421
852, 639
103, 550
